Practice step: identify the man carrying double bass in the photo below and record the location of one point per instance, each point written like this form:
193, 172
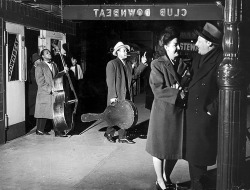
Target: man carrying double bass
45, 73
119, 73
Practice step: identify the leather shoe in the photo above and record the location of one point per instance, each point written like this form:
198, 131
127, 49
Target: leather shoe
60, 134
109, 137
125, 140
41, 133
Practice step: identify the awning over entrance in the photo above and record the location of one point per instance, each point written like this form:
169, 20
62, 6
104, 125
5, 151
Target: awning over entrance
144, 12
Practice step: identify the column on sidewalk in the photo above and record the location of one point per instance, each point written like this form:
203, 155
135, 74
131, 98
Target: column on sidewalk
232, 100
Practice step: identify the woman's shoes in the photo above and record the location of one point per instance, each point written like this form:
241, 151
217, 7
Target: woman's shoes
170, 185
158, 187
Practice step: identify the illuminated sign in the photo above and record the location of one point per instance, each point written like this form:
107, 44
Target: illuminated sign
144, 12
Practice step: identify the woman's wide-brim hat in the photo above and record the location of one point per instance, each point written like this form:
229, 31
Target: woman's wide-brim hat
35, 57
210, 33
118, 46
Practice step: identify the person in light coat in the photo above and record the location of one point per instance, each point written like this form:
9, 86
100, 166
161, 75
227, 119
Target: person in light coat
45, 72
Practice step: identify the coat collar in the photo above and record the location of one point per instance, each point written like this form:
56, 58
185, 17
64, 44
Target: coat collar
120, 61
44, 65
168, 64
209, 62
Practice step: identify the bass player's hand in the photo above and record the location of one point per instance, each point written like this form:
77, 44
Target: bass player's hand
113, 100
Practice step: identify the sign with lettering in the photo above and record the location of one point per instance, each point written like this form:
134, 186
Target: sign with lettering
144, 12
188, 46
13, 57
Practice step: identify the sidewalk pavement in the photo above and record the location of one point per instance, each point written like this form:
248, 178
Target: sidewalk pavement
84, 161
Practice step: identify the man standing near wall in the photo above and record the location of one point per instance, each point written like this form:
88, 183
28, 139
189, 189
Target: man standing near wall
202, 106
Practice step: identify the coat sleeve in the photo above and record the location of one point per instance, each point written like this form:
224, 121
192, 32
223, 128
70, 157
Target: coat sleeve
111, 80
160, 86
40, 80
80, 73
138, 70
184, 72
213, 107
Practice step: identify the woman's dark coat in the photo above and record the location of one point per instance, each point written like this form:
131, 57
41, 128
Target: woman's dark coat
165, 132
201, 129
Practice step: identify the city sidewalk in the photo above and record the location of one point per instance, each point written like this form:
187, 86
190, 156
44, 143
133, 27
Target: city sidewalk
84, 161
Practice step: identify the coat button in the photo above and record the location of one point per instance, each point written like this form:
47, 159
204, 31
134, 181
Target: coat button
196, 110
203, 84
197, 97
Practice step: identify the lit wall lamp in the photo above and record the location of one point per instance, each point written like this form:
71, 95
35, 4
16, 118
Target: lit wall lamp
219, 4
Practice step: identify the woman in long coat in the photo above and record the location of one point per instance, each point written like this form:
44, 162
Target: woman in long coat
164, 138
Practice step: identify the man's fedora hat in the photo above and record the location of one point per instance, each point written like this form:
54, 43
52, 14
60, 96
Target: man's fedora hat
210, 33
35, 57
118, 46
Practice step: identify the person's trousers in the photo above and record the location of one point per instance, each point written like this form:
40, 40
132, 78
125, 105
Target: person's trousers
121, 132
41, 123
196, 173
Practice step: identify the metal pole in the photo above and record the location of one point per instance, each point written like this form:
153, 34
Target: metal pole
232, 103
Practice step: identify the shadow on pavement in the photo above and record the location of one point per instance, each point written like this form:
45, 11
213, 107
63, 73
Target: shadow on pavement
139, 131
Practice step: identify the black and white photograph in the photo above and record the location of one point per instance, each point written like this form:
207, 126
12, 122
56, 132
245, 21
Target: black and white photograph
124, 95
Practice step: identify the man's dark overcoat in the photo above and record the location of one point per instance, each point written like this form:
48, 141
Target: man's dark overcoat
201, 129
165, 132
116, 74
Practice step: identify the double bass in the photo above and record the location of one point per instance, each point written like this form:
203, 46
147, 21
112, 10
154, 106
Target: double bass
60, 103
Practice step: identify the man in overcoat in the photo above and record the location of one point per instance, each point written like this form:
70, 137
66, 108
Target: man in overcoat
202, 106
45, 72
119, 73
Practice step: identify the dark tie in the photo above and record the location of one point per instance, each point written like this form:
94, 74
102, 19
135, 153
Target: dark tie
76, 72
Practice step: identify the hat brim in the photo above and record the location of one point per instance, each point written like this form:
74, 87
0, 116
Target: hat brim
119, 47
207, 38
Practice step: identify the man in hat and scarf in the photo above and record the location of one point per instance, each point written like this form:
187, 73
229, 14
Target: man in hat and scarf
119, 73
202, 106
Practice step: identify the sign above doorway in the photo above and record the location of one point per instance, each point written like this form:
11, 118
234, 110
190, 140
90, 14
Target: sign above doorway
144, 12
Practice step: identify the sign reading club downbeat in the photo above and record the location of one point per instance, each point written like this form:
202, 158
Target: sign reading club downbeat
170, 12
144, 12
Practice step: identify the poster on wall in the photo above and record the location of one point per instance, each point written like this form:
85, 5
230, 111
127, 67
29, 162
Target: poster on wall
55, 46
13, 53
